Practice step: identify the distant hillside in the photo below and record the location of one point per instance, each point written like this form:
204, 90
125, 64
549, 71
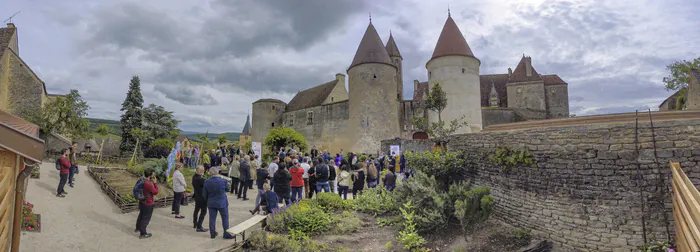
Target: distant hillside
115, 129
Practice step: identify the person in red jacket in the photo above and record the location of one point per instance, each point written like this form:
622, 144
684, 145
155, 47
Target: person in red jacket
65, 167
150, 189
297, 182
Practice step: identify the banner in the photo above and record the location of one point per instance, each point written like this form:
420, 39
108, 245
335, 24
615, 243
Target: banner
395, 150
257, 147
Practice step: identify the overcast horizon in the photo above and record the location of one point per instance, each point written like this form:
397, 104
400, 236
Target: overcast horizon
208, 61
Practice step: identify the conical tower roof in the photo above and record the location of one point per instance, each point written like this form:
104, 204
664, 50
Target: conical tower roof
246, 128
451, 41
371, 49
391, 47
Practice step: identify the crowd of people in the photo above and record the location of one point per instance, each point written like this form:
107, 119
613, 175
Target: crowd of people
290, 177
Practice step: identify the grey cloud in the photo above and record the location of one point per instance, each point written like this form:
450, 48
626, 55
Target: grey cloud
185, 95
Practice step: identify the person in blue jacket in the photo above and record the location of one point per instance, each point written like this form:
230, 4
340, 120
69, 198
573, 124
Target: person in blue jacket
215, 189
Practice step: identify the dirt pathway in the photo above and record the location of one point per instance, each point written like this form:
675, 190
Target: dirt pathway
87, 220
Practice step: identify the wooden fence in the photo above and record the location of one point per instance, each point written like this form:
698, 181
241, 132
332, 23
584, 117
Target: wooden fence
7, 196
686, 211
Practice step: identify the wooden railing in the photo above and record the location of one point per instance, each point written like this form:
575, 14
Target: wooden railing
686, 210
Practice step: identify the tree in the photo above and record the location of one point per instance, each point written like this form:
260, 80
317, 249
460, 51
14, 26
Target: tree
283, 137
222, 139
103, 131
158, 124
133, 115
439, 131
679, 77
63, 115
138, 134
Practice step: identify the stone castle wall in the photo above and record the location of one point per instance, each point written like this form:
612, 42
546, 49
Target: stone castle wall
459, 78
25, 91
557, 100
328, 127
583, 193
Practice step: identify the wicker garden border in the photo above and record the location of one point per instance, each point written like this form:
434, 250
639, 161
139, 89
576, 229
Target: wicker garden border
123, 205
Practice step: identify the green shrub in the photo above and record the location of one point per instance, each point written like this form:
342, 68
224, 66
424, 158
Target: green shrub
409, 236
347, 223
301, 217
473, 206
443, 165
162, 142
129, 198
262, 241
388, 221
159, 166
376, 201
655, 246
431, 206
329, 201
388, 246
508, 158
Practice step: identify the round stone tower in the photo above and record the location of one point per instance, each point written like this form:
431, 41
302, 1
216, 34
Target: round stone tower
266, 114
455, 67
373, 99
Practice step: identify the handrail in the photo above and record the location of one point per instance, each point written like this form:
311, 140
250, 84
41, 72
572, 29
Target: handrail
686, 210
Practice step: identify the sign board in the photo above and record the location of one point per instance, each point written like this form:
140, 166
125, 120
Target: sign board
257, 147
395, 150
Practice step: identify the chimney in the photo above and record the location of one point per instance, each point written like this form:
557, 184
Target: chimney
415, 85
340, 78
11, 25
510, 72
528, 66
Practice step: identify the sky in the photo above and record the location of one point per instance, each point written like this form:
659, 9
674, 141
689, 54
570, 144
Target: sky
208, 60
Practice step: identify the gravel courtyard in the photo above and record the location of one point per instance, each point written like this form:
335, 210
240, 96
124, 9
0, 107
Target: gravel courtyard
87, 220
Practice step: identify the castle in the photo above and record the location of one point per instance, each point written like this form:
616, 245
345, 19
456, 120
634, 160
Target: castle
373, 109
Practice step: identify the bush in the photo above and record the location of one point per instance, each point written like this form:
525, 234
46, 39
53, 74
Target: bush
409, 236
376, 201
262, 241
156, 152
431, 206
129, 198
29, 219
508, 158
163, 142
388, 221
443, 165
301, 217
347, 223
159, 166
522, 236
473, 206
329, 201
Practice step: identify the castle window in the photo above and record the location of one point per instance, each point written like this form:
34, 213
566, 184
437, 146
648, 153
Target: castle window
374, 76
463, 70
273, 125
273, 108
331, 99
430, 75
309, 117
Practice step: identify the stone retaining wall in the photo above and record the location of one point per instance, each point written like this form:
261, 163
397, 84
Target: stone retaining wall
583, 192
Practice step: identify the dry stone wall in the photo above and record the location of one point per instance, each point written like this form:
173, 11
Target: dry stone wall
583, 191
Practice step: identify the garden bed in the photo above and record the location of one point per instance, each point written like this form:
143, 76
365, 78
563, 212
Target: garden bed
118, 184
37, 229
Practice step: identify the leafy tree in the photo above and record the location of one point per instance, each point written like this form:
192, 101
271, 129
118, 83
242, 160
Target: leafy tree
133, 115
283, 137
158, 124
679, 77
440, 130
222, 139
138, 134
63, 115
103, 131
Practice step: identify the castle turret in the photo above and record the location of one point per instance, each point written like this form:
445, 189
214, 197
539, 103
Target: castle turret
373, 84
246, 135
267, 114
397, 60
455, 67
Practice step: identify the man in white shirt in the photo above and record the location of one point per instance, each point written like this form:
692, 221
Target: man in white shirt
272, 169
305, 165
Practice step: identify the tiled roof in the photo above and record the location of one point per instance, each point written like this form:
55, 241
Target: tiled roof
499, 82
311, 97
391, 47
672, 99
269, 100
520, 72
371, 49
19, 124
246, 128
451, 41
5, 36
552, 79
421, 92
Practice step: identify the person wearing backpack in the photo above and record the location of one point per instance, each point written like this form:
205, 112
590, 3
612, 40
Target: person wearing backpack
371, 175
322, 174
150, 189
64, 164
358, 179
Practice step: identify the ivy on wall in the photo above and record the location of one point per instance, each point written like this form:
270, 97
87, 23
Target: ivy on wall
508, 158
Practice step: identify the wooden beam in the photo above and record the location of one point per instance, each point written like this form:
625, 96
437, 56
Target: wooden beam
690, 229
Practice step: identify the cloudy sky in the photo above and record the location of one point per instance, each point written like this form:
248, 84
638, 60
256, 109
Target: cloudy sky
209, 60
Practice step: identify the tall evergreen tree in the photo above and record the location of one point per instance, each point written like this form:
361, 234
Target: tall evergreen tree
133, 115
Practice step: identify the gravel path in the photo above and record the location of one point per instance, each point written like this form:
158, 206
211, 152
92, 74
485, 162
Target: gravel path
87, 220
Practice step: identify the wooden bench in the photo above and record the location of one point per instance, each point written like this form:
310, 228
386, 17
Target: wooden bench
241, 228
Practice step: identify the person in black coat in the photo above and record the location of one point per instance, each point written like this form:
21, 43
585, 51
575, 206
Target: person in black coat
262, 177
358, 182
200, 203
282, 187
244, 176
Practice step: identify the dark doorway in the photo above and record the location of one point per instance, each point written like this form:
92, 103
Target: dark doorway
420, 135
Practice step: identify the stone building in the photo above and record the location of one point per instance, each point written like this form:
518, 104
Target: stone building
692, 94
21, 90
373, 109
246, 135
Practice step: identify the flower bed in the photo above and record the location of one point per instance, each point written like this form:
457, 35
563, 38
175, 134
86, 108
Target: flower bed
118, 183
30, 221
